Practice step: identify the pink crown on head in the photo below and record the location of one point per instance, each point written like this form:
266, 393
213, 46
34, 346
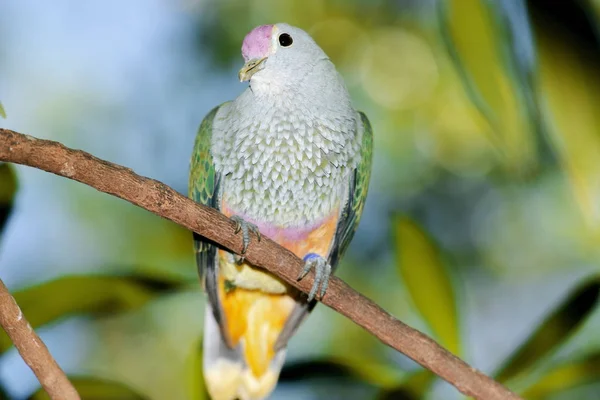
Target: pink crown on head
256, 43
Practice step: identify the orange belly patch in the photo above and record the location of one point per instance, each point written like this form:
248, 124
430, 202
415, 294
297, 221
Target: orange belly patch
318, 240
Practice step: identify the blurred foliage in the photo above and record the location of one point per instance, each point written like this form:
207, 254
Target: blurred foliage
569, 87
194, 377
419, 261
566, 377
90, 388
379, 375
553, 332
91, 295
8, 189
414, 386
2, 112
487, 155
496, 82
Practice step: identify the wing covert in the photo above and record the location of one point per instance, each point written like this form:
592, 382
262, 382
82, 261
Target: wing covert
357, 194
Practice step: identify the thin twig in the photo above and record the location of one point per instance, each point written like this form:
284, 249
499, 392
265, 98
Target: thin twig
33, 350
158, 198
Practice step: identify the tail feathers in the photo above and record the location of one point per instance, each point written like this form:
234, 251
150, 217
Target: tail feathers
226, 373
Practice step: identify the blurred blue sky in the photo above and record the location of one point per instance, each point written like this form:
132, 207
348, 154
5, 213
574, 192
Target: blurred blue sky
102, 77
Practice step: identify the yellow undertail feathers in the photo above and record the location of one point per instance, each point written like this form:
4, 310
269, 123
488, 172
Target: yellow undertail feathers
254, 320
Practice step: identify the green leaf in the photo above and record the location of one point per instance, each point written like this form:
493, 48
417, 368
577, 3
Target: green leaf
553, 332
566, 377
428, 282
73, 295
2, 112
570, 93
149, 348
90, 388
8, 188
478, 36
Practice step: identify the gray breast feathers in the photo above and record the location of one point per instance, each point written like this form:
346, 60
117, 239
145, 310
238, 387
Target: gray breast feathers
284, 167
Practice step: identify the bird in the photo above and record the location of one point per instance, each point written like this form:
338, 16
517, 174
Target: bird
288, 159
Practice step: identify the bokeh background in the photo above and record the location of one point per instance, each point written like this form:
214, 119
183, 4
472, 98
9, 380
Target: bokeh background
482, 226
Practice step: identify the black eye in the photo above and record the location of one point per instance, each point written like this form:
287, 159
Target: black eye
285, 40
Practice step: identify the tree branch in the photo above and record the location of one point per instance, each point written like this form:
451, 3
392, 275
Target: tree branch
33, 350
158, 198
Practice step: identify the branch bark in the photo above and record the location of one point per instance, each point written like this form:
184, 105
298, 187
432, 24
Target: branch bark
33, 350
161, 200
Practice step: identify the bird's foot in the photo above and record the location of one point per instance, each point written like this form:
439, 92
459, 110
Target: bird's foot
246, 228
322, 274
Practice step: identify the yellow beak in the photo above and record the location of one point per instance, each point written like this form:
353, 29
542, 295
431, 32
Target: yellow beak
250, 68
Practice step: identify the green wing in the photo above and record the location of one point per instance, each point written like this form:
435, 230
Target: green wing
203, 188
358, 187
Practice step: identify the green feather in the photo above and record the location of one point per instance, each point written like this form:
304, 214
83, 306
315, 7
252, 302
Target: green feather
363, 171
202, 170
202, 186
359, 185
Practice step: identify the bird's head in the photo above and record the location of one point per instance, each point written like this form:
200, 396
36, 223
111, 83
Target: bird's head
278, 52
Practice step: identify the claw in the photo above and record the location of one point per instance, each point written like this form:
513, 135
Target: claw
305, 270
246, 228
322, 274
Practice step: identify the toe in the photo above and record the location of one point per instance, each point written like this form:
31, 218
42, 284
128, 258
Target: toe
315, 286
319, 272
245, 241
238, 223
322, 274
325, 283
245, 227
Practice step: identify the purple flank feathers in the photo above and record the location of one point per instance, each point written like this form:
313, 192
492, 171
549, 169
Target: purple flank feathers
273, 232
257, 42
